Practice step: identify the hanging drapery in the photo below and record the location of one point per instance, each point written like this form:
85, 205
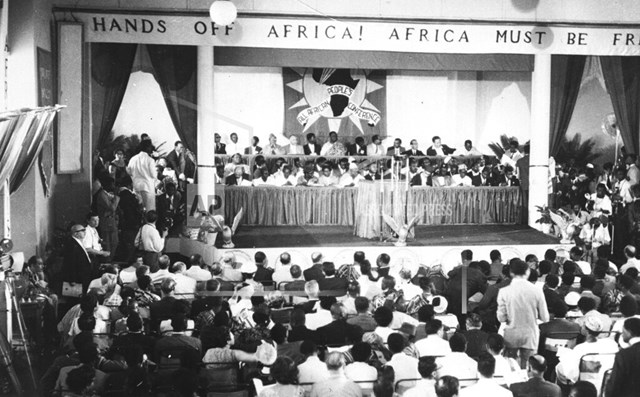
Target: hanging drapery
32, 145
566, 77
174, 68
111, 66
622, 77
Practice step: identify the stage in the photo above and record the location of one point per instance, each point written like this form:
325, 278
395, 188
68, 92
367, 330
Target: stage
342, 236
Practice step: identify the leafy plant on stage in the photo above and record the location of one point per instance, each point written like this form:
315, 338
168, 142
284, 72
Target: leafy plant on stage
499, 148
582, 152
545, 221
129, 144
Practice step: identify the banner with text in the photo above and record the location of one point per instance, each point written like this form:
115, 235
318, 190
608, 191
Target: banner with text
329, 34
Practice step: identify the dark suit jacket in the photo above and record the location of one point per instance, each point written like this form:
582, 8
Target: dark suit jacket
410, 153
232, 181
553, 299
355, 150
418, 180
476, 282
163, 309
162, 208
536, 387
625, 381
476, 342
502, 180
339, 333
248, 150
76, 266
173, 161
334, 284
445, 149
390, 150
300, 333
220, 150
477, 181
314, 273
263, 274
307, 151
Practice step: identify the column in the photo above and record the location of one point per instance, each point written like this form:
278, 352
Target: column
539, 154
206, 158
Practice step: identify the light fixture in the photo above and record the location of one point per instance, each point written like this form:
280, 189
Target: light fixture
223, 12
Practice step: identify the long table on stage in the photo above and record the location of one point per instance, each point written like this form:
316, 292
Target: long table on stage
361, 206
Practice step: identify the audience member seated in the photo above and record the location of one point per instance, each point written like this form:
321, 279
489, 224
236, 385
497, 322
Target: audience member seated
476, 337
338, 332
426, 386
447, 386
434, 344
285, 372
177, 340
330, 282
507, 369
88, 356
536, 385
458, 363
336, 383
359, 370
487, 385
438, 149
322, 315
216, 342
312, 370
363, 318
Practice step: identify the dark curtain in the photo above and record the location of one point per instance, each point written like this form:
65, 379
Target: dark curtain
111, 66
622, 77
175, 71
566, 76
31, 147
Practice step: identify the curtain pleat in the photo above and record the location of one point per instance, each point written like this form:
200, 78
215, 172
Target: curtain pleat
174, 68
111, 66
31, 147
622, 77
566, 77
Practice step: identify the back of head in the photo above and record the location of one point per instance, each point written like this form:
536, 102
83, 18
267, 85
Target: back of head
587, 282
88, 354
383, 316
518, 267
86, 322
545, 267
433, 326
259, 257
80, 378
628, 306
458, 342
537, 364
586, 304
583, 388
495, 255
285, 258
396, 342
361, 304
337, 311
550, 255
168, 286
474, 321
632, 325
466, 255
334, 361
486, 364
163, 262
495, 343
552, 281
426, 313
278, 333
358, 257
179, 323
178, 267
361, 352
427, 366
88, 303
327, 301
295, 271
328, 268
447, 386
151, 216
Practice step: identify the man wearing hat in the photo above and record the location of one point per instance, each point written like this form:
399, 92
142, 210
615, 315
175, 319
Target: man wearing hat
536, 385
461, 178
352, 177
568, 370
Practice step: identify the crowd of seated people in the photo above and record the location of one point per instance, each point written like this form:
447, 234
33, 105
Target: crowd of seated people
528, 327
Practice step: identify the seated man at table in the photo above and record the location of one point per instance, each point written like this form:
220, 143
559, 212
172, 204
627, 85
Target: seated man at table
461, 178
413, 151
285, 178
333, 147
342, 168
309, 176
239, 178
265, 179
506, 178
397, 149
373, 173
482, 179
351, 178
438, 149
327, 178
357, 149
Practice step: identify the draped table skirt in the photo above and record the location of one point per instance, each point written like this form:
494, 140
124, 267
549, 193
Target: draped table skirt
362, 206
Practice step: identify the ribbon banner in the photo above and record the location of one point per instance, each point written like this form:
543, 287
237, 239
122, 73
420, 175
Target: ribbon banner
369, 116
361, 35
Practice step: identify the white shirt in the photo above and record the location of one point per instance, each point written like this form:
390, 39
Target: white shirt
262, 182
184, 285
161, 274
312, 149
404, 366
361, 372
233, 148
142, 169
457, 180
423, 388
457, 364
282, 273
346, 179
312, 370
375, 150
198, 274
280, 180
368, 288
318, 319
631, 262
433, 345
128, 275
92, 239
409, 290
584, 266
569, 367
624, 188
150, 238
383, 332
485, 387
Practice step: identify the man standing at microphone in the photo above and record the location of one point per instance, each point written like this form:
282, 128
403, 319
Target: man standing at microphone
182, 161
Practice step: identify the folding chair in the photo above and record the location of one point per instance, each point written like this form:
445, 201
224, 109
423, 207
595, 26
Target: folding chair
594, 365
402, 385
605, 382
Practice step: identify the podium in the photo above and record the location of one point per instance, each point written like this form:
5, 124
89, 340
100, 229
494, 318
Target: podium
374, 199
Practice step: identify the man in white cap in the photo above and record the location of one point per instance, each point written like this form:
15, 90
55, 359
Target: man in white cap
351, 178
461, 178
440, 305
568, 370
